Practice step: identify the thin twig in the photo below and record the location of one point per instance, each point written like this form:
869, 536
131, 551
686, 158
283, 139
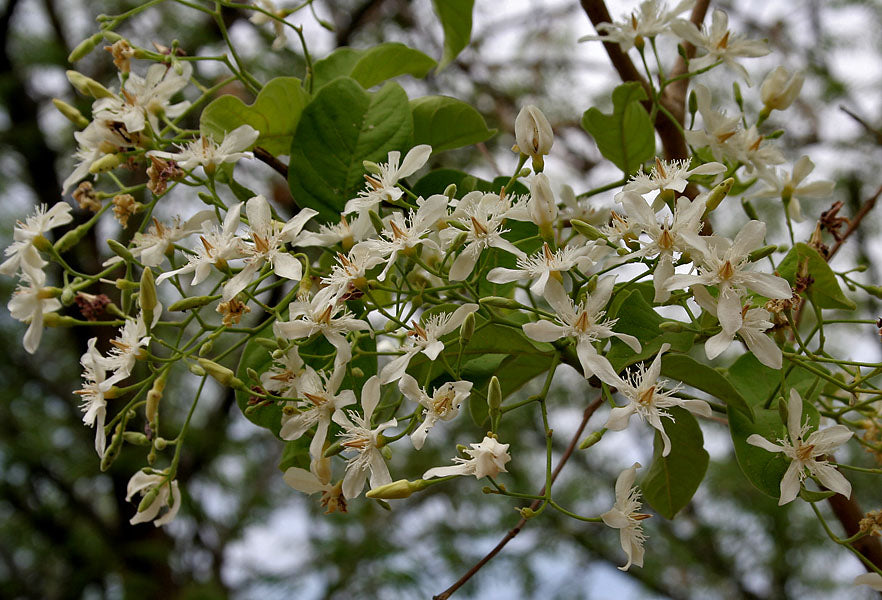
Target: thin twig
855, 222
264, 156
591, 408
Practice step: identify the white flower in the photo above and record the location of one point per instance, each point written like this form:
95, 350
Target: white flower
207, 153
719, 43
443, 404
719, 128
357, 436
874, 580
93, 142
318, 316
425, 338
320, 403
581, 209
350, 272
787, 187
723, 265
29, 304
92, 395
533, 133
267, 238
487, 459
669, 175
318, 479
802, 450
259, 18
22, 253
283, 376
650, 19
542, 206
127, 346
625, 517
483, 216
677, 235
402, 235
342, 233
151, 247
218, 245
383, 186
143, 100
780, 88
545, 267
167, 495
585, 323
754, 324
647, 400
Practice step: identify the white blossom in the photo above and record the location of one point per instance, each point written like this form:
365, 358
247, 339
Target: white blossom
358, 437
383, 185
486, 459
92, 394
283, 376
625, 516
168, 496
152, 246
719, 128
29, 303
23, 254
806, 451
533, 133
778, 184
259, 18
669, 175
648, 400
544, 267
207, 153
442, 405
650, 19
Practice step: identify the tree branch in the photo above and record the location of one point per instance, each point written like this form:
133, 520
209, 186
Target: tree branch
589, 410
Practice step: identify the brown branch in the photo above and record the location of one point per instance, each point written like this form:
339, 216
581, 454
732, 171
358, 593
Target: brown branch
855, 222
673, 142
849, 513
278, 166
589, 410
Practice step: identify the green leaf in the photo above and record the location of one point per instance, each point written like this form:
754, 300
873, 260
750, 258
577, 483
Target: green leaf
295, 454
456, 19
672, 480
757, 384
371, 66
824, 288
707, 379
626, 137
275, 114
445, 123
341, 128
636, 317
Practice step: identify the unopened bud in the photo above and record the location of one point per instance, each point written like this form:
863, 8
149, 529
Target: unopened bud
135, 438
108, 162
458, 225
371, 167
450, 191
761, 253
398, 489
191, 303
693, 103
717, 194
70, 113
467, 330
500, 302
196, 369
543, 208
68, 296
586, 229
357, 372
458, 241
592, 439
376, 221
88, 86
780, 89
252, 375
874, 290
527, 513
120, 250
736, 92
221, 374
206, 348
84, 47
749, 210
533, 134
147, 296
148, 499
671, 326
72, 238
160, 443
154, 396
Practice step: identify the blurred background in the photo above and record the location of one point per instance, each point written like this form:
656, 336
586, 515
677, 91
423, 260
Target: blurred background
242, 533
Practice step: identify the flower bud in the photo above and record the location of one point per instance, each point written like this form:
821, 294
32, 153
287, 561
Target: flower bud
84, 47
450, 191
467, 330
206, 348
749, 210
376, 221
135, 438
154, 396
398, 489
586, 229
120, 250
761, 253
147, 296
191, 303
717, 194
543, 208
71, 238
108, 162
88, 86
197, 370
500, 302
70, 113
592, 439
533, 133
671, 326
221, 374
780, 88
